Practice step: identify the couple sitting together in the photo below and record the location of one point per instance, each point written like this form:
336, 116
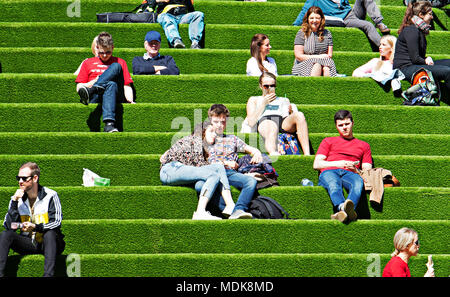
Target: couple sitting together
208, 158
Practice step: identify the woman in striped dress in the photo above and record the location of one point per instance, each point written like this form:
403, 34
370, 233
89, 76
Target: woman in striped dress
313, 47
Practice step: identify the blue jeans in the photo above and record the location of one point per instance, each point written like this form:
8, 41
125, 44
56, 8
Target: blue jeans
176, 173
111, 82
170, 23
246, 184
334, 180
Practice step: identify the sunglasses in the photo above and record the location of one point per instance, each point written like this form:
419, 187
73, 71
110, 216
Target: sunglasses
105, 53
417, 242
269, 86
23, 178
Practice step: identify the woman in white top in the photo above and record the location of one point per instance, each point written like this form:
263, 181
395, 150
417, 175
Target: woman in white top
260, 62
272, 115
380, 69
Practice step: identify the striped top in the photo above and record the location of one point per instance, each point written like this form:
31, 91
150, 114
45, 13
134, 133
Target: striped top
312, 45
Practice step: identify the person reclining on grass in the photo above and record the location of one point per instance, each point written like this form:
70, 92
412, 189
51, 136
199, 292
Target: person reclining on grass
153, 62
338, 159
225, 151
38, 210
105, 79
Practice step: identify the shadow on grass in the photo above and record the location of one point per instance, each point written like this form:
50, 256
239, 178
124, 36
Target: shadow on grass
13, 265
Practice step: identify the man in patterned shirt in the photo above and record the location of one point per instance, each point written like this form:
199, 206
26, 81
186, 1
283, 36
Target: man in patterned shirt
225, 150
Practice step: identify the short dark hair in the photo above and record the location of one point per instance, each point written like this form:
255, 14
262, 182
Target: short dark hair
342, 115
35, 170
218, 110
105, 40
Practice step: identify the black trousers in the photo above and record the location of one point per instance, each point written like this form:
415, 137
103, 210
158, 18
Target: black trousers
440, 71
52, 245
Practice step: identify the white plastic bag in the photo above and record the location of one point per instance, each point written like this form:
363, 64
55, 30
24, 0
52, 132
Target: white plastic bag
91, 179
88, 177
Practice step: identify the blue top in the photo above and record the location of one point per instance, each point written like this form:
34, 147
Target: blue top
329, 8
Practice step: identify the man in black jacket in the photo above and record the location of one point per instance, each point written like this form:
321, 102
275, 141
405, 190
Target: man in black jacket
36, 211
153, 62
171, 13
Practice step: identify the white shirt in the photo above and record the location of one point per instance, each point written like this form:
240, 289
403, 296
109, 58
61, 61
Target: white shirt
253, 69
279, 106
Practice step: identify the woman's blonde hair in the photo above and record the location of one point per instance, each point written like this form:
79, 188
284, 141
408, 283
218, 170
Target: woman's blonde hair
402, 239
391, 40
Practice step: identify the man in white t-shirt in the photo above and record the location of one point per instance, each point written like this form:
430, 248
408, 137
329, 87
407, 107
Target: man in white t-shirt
271, 115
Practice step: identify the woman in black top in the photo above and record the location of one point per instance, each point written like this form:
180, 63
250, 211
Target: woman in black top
411, 46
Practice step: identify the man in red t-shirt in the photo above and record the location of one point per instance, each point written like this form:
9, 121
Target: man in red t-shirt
105, 79
339, 159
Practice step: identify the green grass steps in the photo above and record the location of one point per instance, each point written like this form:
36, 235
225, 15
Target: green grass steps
66, 143
147, 117
143, 170
224, 265
247, 236
200, 88
67, 60
216, 37
216, 12
165, 202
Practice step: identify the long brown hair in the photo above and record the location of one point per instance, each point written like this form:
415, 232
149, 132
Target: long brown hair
255, 49
199, 131
306, 28
413, 9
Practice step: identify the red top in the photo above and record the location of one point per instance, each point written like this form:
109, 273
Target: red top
93, 67
396, 267
340, 149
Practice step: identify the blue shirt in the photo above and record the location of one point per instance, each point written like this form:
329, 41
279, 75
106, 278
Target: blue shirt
329, 8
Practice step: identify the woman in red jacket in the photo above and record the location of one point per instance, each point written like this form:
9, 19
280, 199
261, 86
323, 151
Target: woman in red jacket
406, 243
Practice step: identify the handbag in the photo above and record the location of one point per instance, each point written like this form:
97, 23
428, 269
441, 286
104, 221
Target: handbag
141, 14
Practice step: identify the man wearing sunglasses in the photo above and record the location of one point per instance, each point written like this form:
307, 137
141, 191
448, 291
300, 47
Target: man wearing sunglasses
35, 211
105, 79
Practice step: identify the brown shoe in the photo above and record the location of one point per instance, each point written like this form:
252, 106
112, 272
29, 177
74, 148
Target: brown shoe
383, 28
341, 216
349, 209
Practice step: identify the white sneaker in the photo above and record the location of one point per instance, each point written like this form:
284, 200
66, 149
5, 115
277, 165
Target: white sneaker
204, 215
240, 214
228, 210
395, 84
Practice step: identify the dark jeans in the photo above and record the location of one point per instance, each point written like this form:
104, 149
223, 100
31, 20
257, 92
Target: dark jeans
111, 83
52, 245
440, 71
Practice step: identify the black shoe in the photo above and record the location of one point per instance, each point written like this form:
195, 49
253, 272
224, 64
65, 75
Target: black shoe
86, 94
109, 127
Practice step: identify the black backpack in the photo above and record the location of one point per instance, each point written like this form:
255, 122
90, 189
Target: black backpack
143, 13
266, 208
